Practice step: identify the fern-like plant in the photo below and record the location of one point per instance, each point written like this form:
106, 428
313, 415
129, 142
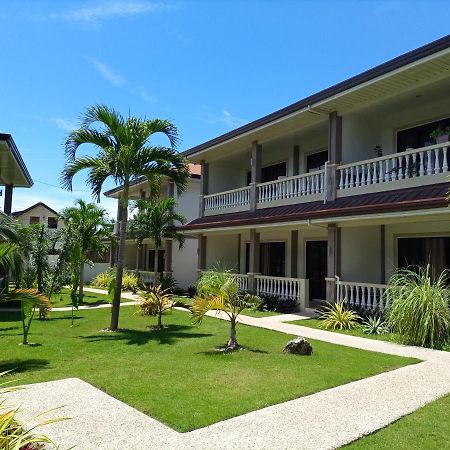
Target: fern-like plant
418, 307
336, 316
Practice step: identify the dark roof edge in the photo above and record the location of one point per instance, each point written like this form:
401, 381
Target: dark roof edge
140, 180
23, 211
382, 69
15, 151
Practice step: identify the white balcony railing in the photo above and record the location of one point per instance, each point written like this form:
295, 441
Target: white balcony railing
416, 163
228, 199
146, 276
292, 187
362, 295
242, 281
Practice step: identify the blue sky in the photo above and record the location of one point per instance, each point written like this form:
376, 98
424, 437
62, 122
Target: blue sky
209, 66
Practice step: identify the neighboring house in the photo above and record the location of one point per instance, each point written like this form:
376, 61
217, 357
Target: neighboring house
170, 260
324, 199
39, 213
13, 172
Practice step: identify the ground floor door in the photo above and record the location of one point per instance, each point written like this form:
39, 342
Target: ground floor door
316, 268
421, 251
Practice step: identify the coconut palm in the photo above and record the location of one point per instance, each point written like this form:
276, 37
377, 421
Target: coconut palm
219, 290
90, 228
124, 154
156, 220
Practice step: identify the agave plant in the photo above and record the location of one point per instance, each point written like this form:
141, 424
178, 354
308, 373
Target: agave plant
338, 316
418, 307
375, 325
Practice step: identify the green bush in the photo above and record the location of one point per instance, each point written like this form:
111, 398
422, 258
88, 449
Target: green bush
418, 307
338, 316
103, 280
130, 281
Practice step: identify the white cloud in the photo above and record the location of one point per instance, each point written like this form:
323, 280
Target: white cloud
63, 124
224, 117
104, 10
144, 94
107, 72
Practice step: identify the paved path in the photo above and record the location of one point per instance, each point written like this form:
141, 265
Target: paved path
325, 420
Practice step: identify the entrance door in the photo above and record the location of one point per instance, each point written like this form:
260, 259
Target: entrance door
316, 268
272, 258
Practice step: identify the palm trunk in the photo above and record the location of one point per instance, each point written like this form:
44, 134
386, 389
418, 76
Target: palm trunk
138, 261
81, 287
120, 260
156, 274
160, 319
232, 342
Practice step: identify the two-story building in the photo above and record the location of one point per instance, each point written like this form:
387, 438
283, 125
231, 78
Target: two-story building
327, 197
39, 213
170, 260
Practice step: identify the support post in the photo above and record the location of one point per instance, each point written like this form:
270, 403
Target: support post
201, 252
255, 174
383, 254
7, 206
334, 154
332, 261
254, 260
294, 254
204, 187
168, 257
296, 160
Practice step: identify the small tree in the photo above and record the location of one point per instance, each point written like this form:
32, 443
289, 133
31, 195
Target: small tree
89, 228
154, 302
219, 290
156, 220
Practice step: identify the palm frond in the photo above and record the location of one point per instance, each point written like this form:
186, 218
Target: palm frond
201, 305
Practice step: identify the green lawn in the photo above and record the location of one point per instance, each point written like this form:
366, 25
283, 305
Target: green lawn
90, 298
175, 375
315, 323
427, 428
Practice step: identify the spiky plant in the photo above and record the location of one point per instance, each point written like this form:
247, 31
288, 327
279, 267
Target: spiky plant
418, 307
125, 154
219, 291
336, 316
375, 325
154, 302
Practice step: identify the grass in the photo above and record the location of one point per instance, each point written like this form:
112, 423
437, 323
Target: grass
427, 428
89, 298
358, 331
175, 375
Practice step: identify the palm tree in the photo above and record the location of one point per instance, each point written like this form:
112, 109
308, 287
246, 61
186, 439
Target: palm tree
124, 154
156, 220
219, 290
89, 227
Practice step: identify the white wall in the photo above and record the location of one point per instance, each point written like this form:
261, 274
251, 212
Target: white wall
39, 211
361, 254
188, 202
223, 251
184, 263
91, 272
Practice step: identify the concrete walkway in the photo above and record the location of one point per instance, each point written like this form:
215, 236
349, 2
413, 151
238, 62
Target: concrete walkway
325, 420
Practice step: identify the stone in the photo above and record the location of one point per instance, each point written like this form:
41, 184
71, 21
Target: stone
298, 346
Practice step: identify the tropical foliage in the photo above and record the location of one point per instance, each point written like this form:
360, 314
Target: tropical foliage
103, 280
154, 302
219, 290
90, 231
336, 316
418, 307
156, 220
375, 325
124, 153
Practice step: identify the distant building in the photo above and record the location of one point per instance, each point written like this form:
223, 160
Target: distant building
39, 213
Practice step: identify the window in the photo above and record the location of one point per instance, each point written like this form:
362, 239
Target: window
421, 251
419, 136
316, 161
34, 219
270, 173
52, 222
151, 260
272, 258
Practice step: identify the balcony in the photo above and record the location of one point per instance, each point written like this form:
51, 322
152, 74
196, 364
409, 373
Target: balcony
411, 168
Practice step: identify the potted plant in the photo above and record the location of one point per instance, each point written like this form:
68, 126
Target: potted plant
441, 134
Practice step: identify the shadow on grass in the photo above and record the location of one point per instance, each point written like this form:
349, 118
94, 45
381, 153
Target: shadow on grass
221, 350
168, 335
51, 319
10, 316
23, 365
